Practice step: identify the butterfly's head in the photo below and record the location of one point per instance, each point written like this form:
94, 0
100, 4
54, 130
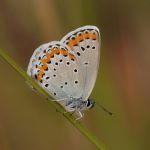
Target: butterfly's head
90, 104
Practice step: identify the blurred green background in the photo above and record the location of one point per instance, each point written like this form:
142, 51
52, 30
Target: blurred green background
28, 122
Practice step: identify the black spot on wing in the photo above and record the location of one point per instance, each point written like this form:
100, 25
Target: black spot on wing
78, 53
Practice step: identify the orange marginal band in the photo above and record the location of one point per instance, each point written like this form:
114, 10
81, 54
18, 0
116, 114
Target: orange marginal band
79, 38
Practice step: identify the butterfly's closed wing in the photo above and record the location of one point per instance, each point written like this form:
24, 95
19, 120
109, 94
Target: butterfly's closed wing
67, 69
57, 70
85, 43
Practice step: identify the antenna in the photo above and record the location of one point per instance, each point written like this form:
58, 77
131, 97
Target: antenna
104, 109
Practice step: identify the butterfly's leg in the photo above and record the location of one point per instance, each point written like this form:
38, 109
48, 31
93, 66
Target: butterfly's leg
58, 100
80, 115
72, 113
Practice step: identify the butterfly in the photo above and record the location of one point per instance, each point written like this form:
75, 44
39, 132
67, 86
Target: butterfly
67, 69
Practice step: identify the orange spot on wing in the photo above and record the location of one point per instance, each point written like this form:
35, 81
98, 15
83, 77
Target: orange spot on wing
51, 54
42, 68
86, 35
93, 36
80, 38
44, 61
72, 43
64, 52
40, 75
56, 51
71, 56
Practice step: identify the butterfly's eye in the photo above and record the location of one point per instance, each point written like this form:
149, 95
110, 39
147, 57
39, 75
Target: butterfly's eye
89, 104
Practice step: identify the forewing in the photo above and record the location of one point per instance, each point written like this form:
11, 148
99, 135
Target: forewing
85, 43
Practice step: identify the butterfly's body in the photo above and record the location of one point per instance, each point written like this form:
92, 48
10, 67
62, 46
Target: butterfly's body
67, 69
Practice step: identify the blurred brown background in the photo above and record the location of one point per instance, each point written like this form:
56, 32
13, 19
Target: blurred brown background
28, 122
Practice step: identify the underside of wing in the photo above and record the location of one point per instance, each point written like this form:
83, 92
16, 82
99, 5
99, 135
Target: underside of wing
84, 42
56, 69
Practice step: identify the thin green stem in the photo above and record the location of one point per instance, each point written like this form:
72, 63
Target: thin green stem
56, 105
